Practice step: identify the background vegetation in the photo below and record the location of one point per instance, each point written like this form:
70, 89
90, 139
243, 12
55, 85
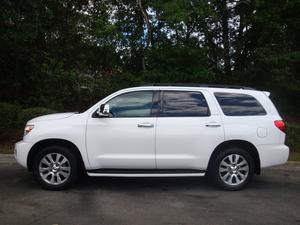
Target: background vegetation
65, 55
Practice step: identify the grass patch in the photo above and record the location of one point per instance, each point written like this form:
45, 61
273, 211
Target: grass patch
293, 136
6, 150
7, 145
294, 156
293, 139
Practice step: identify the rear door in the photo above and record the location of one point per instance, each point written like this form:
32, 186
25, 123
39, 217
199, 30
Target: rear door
188, 129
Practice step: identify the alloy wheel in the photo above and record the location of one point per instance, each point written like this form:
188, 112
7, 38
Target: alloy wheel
233, 169
54, 168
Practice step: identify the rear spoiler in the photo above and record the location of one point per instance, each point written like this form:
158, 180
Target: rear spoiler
267, 93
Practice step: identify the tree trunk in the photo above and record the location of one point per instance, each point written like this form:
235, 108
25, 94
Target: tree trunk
147, 21
149, 33
225, 36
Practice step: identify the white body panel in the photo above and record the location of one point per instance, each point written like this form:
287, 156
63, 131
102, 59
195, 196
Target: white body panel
257, 130
70, 127
172, 143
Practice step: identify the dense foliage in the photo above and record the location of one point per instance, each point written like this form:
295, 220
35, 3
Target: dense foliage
9, 116
13, 118
67, 54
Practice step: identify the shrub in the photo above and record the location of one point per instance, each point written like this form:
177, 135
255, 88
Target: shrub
8, 115
30, 113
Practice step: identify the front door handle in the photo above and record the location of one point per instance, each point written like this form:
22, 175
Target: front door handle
146, 124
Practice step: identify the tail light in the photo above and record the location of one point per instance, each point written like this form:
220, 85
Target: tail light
280, 125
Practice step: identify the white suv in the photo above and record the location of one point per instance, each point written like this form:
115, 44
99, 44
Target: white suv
226, 132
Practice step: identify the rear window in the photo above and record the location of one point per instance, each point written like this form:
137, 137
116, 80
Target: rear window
236, 104
183, 104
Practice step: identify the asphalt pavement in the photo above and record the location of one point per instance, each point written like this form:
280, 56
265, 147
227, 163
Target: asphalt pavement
271, 198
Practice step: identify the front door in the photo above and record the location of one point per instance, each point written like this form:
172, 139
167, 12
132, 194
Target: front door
126, 140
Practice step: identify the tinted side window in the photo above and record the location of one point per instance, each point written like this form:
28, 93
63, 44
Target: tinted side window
234, 104
183, 104
132, 104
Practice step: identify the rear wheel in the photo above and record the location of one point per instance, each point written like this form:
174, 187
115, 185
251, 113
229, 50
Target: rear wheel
55, 168
233, 169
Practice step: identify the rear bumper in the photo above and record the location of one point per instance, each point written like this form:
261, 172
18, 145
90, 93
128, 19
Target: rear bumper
272, 155
21, 152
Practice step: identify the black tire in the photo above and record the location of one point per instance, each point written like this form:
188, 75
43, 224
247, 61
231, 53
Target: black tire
232, 171
71, 163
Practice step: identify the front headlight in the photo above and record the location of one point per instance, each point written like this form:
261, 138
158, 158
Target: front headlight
28, 128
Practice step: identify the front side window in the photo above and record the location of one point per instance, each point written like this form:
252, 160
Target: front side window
236, 104
183, 104
132, 104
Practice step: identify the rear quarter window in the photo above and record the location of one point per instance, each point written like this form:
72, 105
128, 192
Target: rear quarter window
236, 104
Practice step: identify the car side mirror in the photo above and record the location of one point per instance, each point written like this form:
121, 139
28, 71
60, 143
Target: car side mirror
103, 110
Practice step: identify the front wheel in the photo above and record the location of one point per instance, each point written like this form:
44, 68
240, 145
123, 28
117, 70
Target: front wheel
233, 169
55, 168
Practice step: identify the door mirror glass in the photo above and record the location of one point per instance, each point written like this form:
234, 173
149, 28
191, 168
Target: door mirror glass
103, 110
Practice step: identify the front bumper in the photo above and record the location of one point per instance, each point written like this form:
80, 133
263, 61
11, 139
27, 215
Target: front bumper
272, 155
21, 152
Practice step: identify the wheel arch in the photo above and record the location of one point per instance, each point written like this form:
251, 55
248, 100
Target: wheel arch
53, 142
249, 147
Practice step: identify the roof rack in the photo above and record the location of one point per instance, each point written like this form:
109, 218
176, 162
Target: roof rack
200, 85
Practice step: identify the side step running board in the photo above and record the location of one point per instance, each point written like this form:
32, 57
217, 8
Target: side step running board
145, 173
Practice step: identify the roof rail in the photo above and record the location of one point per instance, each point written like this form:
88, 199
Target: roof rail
200, 85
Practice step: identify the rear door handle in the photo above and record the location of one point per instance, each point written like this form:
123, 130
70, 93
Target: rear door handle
146, 124
212, 125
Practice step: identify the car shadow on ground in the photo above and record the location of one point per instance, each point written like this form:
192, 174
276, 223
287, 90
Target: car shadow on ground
143, 182
156, 183
260, 182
